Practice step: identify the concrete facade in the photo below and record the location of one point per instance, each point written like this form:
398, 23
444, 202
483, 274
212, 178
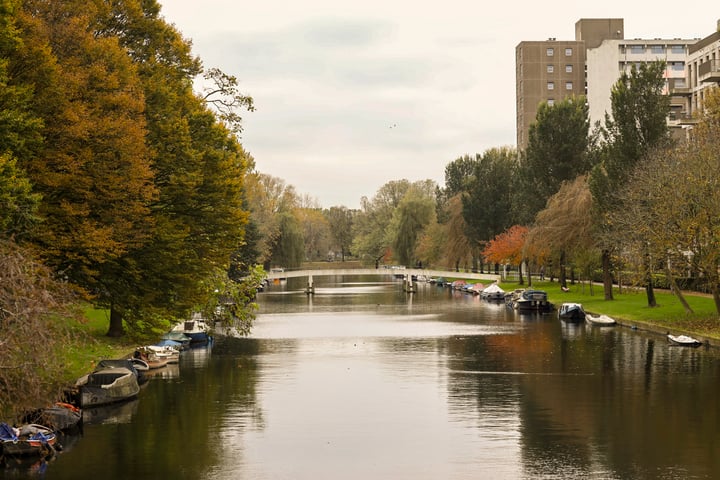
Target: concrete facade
602, 54
703, 70
551, 70
611, 58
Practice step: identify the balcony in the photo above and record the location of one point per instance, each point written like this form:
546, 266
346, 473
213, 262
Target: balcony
709, 72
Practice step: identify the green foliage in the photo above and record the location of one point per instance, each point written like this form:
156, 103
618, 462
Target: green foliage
232, 303
415, 212
18, 205
557, 151
487, 204
290, 250
340, 220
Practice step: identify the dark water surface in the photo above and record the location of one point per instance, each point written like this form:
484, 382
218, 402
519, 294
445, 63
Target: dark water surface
364, 381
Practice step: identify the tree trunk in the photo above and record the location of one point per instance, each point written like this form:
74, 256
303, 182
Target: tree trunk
607, 276
520, 274
677, 292
652, 302
116, 326
529, 274
716, 295
563, 274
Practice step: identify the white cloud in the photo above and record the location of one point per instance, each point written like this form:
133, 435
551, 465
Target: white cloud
329, 79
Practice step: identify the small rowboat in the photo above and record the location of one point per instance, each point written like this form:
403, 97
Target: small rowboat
600, 320
683, 341
29, 439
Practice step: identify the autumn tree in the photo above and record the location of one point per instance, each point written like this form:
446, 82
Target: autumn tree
507, 247
93, 168
637, 125
457, 246
199, 170
565, 226
315, 233
670, 209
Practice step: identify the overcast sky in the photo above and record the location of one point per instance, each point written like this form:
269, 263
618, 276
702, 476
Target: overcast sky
352, 95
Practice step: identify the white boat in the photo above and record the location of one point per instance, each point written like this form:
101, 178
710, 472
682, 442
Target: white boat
683, 341
196, 329
493, 293
600, 320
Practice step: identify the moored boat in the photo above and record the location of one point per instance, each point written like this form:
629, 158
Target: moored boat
493, 293
196, 328
571, 312
28, 439
600, 320
108, 385
530, 301
683, 341
60, 417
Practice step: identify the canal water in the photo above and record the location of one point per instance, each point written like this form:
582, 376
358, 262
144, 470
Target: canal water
364, 381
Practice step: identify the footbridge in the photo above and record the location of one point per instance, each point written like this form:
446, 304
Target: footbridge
407, 274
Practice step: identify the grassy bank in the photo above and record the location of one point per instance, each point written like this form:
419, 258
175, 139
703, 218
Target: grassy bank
90, 344
630, 307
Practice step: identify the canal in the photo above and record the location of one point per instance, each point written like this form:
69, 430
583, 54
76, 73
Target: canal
364, 381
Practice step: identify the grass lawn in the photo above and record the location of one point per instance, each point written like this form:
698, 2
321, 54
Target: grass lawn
90, 344
630, 306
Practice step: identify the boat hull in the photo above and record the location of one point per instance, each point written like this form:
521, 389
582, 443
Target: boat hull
108, 386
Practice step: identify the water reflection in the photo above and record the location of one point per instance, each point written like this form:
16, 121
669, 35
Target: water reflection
376, 383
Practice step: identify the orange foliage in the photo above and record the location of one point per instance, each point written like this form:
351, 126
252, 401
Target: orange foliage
507, 247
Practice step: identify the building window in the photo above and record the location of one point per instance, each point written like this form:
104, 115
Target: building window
550, 52
677, 66
568, 52
677, 49
657, 49
637, 49
551, 85
551, 102
550, 69
568, 85
568, 68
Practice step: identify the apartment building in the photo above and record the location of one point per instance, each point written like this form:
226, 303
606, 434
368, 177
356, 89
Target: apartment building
551, 70
603, 54
703, 71
611, 58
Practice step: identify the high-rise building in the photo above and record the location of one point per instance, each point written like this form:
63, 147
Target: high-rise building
604, 54
551, 70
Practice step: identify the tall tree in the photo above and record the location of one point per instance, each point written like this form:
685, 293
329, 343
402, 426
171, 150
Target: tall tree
315, 232
556, 152
638, 124
199, 171
340, 220
414, 212
372, 235
565, 226
487, 204
93, 169
290, 248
